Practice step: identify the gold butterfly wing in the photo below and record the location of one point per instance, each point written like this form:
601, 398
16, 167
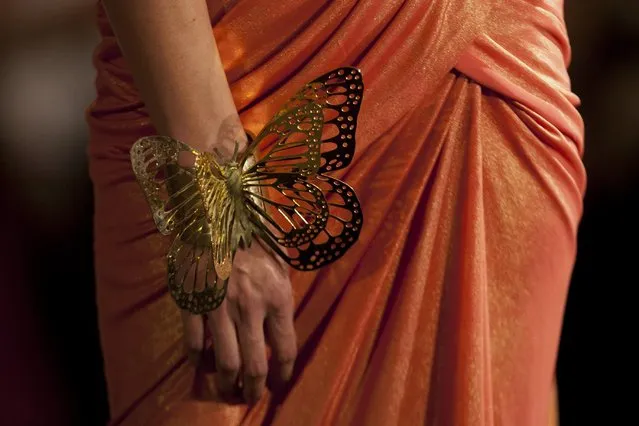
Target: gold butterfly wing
179, 199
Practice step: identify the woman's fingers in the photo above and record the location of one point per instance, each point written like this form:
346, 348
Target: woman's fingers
257, 286
251, 336
193, 335
250, 333
281, 333
226, 348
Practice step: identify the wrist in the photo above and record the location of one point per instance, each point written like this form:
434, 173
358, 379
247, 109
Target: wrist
221, 136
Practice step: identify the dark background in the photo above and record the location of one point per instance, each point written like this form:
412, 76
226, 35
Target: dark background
50, 363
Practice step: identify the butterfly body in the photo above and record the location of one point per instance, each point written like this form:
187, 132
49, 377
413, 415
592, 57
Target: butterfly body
280, 195
226, 213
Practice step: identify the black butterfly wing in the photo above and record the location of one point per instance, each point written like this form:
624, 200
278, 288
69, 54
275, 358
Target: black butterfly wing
287, 208
308, 218
294, 140
332, 223
339, 95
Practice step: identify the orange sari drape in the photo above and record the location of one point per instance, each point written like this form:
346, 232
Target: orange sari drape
468, 166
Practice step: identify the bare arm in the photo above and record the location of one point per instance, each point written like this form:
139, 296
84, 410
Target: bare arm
170, 49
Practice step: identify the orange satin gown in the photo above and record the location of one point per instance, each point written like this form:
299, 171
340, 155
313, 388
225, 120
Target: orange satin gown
468, 166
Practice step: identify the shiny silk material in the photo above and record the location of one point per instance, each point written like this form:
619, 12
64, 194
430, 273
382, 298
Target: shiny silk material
448, 310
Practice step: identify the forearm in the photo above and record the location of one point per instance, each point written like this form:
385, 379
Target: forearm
171, 52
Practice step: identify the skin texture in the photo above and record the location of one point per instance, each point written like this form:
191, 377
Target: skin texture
173, 56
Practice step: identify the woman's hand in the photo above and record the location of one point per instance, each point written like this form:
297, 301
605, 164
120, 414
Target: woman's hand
259, 293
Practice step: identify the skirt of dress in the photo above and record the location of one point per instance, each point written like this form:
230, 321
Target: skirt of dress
448, 309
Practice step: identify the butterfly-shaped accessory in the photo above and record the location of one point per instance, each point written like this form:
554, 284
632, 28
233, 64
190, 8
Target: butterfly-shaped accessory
280, 194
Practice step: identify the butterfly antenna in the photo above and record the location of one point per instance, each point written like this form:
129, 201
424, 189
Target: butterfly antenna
218, 154
236, 150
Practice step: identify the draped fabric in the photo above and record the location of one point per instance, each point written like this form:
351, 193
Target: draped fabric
468, 168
